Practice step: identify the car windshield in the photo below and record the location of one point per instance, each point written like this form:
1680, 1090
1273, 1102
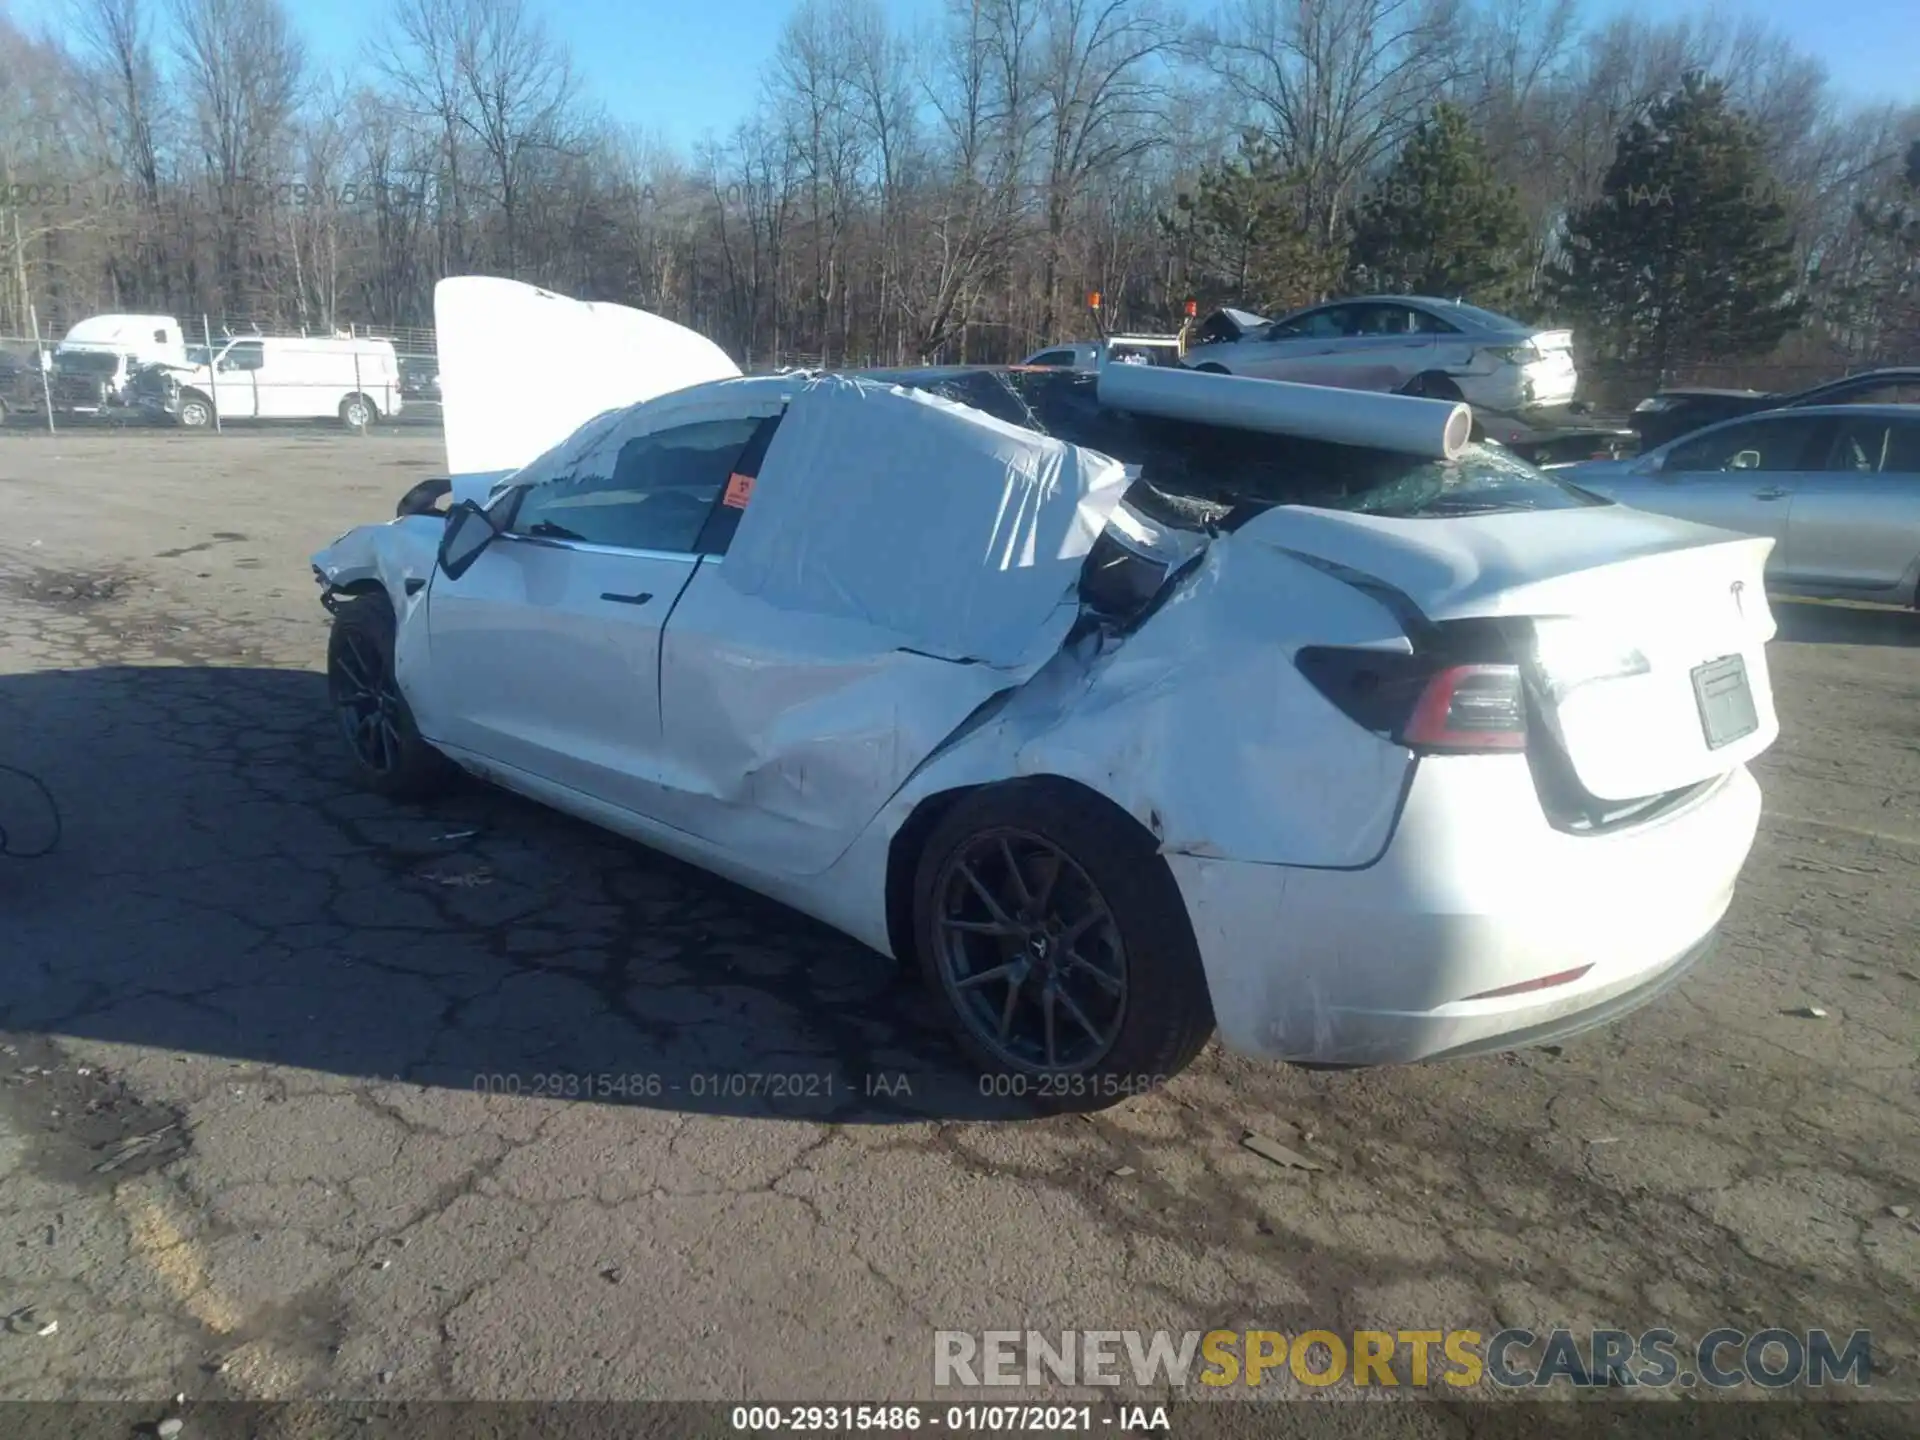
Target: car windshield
1216, 470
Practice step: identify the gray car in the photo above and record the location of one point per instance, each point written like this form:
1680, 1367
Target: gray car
1836, 486
1413, 344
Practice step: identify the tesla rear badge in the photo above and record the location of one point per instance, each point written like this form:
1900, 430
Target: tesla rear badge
1739, 600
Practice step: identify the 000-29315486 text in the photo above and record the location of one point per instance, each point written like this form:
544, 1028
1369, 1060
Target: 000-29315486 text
980, 1419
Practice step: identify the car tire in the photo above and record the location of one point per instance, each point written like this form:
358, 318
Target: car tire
388, 754
1212, 368
196, 411
1108, 934
357, 412
1432, 387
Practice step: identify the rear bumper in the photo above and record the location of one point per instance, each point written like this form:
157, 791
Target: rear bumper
1546, 386
1513, 388
1476, 893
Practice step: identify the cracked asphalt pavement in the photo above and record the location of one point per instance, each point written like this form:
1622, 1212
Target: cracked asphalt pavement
308, 1094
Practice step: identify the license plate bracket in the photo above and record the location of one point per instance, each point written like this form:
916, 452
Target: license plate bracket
1727, 711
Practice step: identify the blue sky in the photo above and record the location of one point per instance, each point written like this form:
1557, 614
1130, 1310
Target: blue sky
679, 70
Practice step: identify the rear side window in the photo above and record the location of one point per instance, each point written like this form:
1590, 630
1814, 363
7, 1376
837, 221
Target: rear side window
1775, 443
1053, 357
1387, 320
1861, 446
1335, 323
1903, 451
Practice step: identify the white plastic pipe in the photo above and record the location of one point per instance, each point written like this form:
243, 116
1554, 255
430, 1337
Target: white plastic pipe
1440, 429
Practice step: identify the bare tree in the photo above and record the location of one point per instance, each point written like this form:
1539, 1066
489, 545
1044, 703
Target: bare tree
813, 93
881, 79
1100, 84
243, 70
420, 63
115, 42
519, 95
1339, 84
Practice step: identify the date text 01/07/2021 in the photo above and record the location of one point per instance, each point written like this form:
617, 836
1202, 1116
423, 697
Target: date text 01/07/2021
960, 1419
695, 1084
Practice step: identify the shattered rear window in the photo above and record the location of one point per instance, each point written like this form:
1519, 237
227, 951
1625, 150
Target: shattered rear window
1198, 473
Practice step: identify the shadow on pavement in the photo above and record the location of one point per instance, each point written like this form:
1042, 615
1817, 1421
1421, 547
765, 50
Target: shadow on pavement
1813, 623
221, 888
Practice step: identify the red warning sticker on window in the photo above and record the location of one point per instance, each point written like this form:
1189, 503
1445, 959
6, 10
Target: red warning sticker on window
739, 491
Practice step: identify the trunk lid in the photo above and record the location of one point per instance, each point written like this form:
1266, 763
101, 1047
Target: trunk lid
1649, 663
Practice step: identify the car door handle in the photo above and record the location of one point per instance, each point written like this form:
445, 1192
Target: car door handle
642, 598
1772, 492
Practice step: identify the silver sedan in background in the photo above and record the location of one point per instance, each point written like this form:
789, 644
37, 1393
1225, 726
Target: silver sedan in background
1414, 344
1836, 486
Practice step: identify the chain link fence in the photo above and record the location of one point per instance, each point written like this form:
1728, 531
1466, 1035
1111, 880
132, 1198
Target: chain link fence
215, 374
355, 377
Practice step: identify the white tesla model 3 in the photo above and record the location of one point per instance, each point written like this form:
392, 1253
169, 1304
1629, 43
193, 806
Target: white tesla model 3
1128, 705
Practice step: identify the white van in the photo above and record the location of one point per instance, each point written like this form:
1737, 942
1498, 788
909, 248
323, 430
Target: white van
272, 377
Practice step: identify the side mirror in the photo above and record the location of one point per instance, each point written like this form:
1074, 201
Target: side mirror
422, 499
1745, 460
469, 531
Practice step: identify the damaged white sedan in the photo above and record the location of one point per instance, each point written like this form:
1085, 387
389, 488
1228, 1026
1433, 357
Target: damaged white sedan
1127, 704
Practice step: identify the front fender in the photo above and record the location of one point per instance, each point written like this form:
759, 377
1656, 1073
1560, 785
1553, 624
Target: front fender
399, 556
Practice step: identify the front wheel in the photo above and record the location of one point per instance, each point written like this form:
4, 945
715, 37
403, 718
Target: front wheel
196, 412
1055, 936
357, 412
389, 755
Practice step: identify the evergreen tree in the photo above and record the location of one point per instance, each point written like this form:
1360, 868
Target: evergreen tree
1243, 236
1687, 254
1441, 222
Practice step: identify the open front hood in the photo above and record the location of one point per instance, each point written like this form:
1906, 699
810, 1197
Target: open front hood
522, 368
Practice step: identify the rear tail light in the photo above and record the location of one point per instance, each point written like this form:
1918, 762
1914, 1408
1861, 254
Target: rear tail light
1421, 703
1470, 707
